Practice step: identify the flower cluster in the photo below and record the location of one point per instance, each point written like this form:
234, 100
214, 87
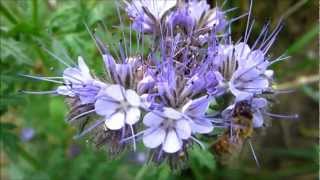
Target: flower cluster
162, 96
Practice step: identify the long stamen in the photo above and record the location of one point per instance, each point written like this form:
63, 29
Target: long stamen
254, 154
275, 32
237, 18
133, 136
248, 20
198, 142
122, 30
56, 57
229, 10
49, 79
249, 32
113, 48
279, 59
263, 32
98, 123
81, 115
97, 41
294, 116
133, 139
224, 3
38, 92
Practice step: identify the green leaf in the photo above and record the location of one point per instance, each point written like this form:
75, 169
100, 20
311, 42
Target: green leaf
201, 158
304, 40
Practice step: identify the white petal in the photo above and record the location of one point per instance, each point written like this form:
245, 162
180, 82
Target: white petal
115, 92
259, 84
64, 90
269, 73
116, 121
104, 107
257, 119
172, 142
241, 52
133, 115
202, 127
197, 107
145, 103
171, 113
132, 97
152, 138
255, 57
259, 103
240, 95
183, 129
228, 111
100, 84
83, 67
152, 119
225, 50
72, 75
109, 62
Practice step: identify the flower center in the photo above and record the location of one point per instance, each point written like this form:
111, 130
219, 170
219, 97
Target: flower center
168, 123
124, 104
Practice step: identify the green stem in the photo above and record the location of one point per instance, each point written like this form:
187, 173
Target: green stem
35, 12
141, 172
7, 14
27, 157
305, 39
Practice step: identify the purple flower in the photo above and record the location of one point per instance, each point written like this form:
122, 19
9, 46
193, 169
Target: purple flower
147, 83
118, 106
197, 14
190, 61
80, 83
245, 70
27, 134
170, 128
167, 128
196, 110
125, 73
203, 82
217, 18
146, 15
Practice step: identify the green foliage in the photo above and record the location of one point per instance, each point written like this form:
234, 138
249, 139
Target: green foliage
9, 141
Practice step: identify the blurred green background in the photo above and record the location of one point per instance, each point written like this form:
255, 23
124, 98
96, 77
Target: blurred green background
36, 143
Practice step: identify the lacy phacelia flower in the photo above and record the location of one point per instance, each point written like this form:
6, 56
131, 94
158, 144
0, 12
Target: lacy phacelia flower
188, 62
196, 110
80, 83
245, 70
118, 106
171, 128
124, 73
147, 15
167, 127
197, 15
